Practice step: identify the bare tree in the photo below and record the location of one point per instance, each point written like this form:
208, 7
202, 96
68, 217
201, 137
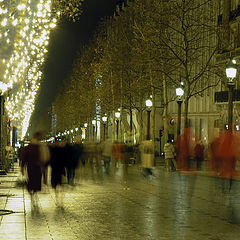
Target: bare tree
190, 37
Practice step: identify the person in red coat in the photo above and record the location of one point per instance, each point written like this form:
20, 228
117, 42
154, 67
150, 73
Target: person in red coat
34, 157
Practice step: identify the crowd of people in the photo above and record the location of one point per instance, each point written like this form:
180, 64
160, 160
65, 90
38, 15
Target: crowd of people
63, 158
108, 157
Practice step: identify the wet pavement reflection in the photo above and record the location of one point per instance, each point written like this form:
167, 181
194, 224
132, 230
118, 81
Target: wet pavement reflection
99, 206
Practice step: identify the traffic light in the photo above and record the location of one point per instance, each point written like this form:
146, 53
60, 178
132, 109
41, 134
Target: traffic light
160, 132
58, 139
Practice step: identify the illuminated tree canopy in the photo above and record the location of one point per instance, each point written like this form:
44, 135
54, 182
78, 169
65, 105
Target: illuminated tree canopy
24, 34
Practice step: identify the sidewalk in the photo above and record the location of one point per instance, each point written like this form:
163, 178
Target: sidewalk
16, 218
102, 209
12, 206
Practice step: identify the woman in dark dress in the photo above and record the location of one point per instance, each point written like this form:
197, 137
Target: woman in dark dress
33, 157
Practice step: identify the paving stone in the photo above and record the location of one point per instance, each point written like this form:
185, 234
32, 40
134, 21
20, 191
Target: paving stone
169, 207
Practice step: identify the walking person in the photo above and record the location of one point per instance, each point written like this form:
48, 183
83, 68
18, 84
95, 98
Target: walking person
57, 163
107, 154
147, 157
199, 154
169, 156
33, 157
71, 162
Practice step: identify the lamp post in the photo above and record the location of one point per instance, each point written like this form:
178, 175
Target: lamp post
117, 116
104, 118
85, 126
179, 93
93, 129
231, 71
148, 105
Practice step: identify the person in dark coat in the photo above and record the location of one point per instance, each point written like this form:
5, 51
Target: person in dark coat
57, 163
33, 157
73, 154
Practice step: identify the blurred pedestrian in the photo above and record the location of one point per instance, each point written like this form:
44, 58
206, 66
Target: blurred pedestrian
199, 154
107, 154
147, 157
33, 157
169, 151
227, 152
76, 155
215, 159
71, 162
57, 162
99, 149
184, 150
118, 151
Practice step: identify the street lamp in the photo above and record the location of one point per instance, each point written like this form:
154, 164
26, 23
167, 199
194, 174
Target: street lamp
179, 93
104, 118
117, 116
231, 71
148, 105
93, 129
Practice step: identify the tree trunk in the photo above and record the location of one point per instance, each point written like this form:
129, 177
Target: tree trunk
131, 120
131, 125
120, 120
141, 135
165, 110
113, 112
113, 126
152, 121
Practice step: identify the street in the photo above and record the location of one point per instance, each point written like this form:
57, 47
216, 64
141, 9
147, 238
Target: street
166, 206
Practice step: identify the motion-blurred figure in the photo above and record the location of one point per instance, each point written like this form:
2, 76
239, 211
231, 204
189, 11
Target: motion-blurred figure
34, 156
118, 151
78, 156
91, 149
214, 158
169, 151
57, 162
72, 156
107, 154
225, 154
184, 150
199, 154
147, 157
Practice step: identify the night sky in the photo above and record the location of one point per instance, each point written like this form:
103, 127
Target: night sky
65, 40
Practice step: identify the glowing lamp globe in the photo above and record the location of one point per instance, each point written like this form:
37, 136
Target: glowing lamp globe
117, 114
104, 118
231, 70
179, 92
148, 103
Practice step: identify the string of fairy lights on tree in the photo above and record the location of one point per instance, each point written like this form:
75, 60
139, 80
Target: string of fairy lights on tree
25, 29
